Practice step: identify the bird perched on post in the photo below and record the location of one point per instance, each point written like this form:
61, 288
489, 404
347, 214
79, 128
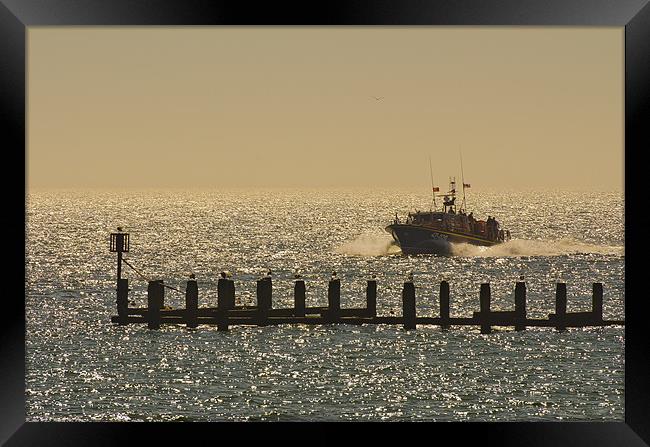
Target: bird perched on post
192, 276
269, 273
410, 277
297, 275
223, 274
521, 277
119, 229
334, 275
373, 276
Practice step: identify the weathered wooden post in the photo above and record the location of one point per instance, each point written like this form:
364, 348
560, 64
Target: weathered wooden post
268, 293
221, 292
225, 293
264, 300
222, 321
520, 306
223, 302
597, 302
230, 293
408, 305
334, 299
299, 293
485, 308
155, 300
123, 300
444, 305
560, 306
192, 302
371, 298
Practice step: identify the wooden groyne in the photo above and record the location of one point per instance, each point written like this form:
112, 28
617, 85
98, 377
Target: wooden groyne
226, 313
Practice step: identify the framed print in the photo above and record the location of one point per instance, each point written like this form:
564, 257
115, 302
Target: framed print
359, 212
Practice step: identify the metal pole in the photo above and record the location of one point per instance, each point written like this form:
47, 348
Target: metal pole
462, 178
432, 187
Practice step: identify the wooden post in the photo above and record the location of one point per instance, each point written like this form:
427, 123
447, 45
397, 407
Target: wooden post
444, 304
123, 300
222, 321
261, 310
268, 293
223, 303
231, 294
560, 306
191, 303
155, 299
161, 296
264, 300
371, 298
334, 299
223, 294
485, 308
520, 306
299, 298
408, 305
597, 301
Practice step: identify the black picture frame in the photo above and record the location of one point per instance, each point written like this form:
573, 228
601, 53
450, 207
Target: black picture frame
634, 15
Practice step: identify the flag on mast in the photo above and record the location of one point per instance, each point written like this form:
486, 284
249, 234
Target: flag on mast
436, 189
466, 185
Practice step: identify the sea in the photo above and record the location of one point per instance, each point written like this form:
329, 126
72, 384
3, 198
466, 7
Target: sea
81, 367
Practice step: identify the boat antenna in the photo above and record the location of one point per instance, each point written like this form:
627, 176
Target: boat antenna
462, 178
433, 188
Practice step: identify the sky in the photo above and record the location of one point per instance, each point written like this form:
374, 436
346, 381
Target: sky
185, 107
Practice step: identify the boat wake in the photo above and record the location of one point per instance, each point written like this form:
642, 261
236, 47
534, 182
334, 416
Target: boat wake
380, 245
369, 245
527, 247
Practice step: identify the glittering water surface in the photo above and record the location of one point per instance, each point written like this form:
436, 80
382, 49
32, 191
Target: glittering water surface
81, 367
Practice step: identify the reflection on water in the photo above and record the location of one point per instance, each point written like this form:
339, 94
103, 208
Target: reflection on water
80, 367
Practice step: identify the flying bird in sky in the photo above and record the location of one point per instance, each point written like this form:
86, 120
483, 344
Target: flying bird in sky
377, 98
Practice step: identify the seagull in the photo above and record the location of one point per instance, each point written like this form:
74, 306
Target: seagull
192, 276
223, 274
297, 275
377, 98
333, 275
410, 277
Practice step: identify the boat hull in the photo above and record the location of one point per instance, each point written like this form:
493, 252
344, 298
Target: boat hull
417, 239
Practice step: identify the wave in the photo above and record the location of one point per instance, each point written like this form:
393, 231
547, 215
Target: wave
383, 245
528, 247
369, 245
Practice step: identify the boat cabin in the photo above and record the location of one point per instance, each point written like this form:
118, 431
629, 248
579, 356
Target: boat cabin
460, 222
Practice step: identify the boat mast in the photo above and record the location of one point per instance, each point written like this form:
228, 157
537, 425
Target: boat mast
452, 191
433, 188
462, 178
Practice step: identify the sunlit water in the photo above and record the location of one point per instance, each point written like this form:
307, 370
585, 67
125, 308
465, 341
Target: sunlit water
81, 367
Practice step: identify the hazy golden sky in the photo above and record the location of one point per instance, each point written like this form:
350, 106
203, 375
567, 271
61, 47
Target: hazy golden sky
279, 106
